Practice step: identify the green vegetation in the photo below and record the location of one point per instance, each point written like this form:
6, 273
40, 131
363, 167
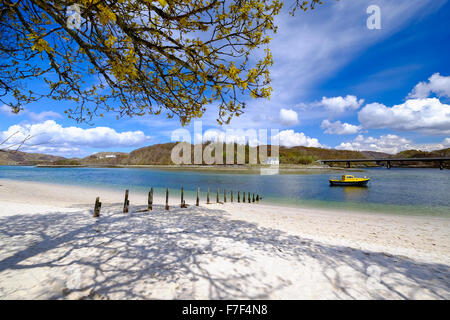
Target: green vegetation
66, 162
9, 157
160, 154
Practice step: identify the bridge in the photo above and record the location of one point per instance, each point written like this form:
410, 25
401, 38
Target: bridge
388, 161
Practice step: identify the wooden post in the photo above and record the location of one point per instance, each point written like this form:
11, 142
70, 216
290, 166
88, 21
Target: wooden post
257, 198
167, 198
197, 203
97, 207
248, 197
224, 195
126, 202
207, 198
243, 197
231, 195
182, 197
150, 199
239, 196
253, 198
217, 195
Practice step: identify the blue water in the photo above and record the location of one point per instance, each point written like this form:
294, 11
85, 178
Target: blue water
402, 191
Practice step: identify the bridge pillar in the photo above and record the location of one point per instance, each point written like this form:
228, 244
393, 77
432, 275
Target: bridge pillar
441, 165
388, 164
348, 164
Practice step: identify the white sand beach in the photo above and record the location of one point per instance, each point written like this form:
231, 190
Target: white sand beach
52, 248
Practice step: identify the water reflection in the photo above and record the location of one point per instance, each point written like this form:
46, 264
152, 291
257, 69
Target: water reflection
355, 193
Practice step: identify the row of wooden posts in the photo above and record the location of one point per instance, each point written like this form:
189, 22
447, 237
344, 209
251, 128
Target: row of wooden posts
126, 202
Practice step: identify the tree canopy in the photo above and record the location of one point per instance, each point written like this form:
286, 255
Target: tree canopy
136, 57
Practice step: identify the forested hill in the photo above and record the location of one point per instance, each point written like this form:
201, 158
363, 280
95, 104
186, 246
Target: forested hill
160, 154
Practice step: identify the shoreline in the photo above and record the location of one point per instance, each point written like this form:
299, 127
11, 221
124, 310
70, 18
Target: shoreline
282, 253
306, 204
250, 169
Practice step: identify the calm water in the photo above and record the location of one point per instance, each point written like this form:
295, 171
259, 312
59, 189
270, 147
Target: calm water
403, 191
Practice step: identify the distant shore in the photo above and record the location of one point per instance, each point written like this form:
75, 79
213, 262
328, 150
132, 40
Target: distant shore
52, 248
251, 169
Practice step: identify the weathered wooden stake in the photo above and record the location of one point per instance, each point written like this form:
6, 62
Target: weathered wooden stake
197, 203
231, 195
167, 198
150, 199
253, 198
217, 196
243, 197
207, 198
248, 197
97, 207
224, 195
257, 198
239, 196
182, 197
126, 202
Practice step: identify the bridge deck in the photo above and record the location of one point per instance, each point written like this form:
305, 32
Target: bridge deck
386, 159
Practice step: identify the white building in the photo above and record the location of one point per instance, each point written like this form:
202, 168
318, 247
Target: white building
272, 161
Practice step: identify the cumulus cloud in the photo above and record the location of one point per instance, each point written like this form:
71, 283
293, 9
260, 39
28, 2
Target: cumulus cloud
290, 138
287, 138
389, 143
428, 116
50, 136
339, 128
437, 84
341, 104
33, 116
309, 50
288, 117
38, 117
4, 109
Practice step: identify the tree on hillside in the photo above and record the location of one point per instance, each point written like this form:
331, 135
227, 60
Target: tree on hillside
143, 56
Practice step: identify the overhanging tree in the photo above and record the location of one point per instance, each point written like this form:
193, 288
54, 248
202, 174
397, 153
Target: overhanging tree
142, 56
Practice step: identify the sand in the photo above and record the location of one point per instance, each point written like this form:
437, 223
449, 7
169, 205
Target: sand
52, 248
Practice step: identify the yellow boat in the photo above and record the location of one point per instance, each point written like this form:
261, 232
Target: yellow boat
347, 180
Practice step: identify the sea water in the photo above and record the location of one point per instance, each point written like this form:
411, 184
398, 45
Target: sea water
398, 190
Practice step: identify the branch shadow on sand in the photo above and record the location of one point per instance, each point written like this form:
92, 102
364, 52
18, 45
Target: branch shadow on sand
194, 253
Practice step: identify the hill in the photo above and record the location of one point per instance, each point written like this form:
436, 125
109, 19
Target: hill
160, 154
106, 158
8, 157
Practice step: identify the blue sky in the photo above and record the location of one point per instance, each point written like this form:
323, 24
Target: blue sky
336, 84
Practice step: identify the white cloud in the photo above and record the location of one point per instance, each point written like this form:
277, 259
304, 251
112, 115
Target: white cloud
6, 110
389, 143
35, 117
288, 117
311, 47
50, 136
437, 84
339, 128
38, 117
289, 138
434, 146
428, 116
341, 104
